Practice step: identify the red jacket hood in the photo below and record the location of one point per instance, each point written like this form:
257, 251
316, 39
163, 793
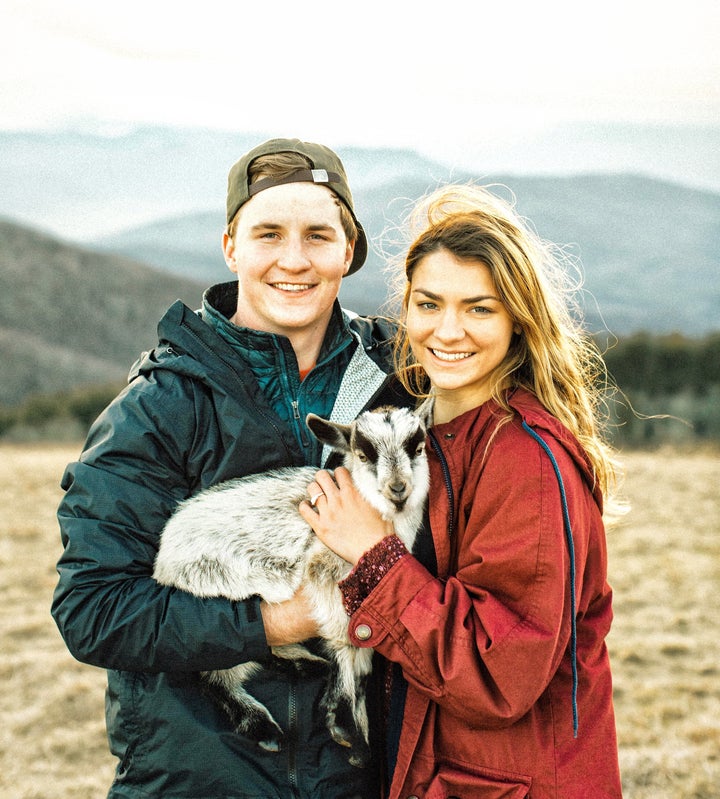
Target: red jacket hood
534, 414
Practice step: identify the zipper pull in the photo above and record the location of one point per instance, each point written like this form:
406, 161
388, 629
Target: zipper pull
301, 429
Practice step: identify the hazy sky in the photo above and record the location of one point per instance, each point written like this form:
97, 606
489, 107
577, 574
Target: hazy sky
430, 76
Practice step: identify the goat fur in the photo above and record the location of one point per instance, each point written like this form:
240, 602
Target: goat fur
245, 537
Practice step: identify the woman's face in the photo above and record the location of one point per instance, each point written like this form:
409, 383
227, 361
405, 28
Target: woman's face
458, 329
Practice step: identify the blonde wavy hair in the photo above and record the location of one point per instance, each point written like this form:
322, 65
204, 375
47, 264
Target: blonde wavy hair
552, 356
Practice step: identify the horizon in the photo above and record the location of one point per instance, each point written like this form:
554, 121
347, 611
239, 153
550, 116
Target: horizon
450, 83
74, 158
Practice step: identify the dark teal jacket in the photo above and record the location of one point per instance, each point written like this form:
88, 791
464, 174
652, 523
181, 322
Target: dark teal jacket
193, 415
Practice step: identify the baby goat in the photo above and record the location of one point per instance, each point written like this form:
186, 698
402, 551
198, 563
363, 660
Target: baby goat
246, 537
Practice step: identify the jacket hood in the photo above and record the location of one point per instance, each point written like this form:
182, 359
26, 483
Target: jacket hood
531, 412
542, 421
182, 333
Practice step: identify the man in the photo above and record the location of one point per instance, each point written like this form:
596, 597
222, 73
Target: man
225, 393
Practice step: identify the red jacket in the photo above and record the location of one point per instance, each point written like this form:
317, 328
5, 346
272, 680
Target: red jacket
486, 647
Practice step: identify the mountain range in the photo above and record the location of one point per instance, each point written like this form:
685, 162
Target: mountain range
101, 233
646, 249
70, 316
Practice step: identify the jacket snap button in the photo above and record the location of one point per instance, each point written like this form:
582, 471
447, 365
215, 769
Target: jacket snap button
363, 632
413, 796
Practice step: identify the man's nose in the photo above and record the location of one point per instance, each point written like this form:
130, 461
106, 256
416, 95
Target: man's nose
293, 255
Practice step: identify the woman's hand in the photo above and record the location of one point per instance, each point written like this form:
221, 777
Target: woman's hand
341, 518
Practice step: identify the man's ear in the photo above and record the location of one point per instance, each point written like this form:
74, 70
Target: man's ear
349, 253
228, 246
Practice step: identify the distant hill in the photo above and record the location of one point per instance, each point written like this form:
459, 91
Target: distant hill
103, 232
648, 248
70, 316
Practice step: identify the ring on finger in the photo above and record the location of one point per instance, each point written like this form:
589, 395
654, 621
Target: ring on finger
315, 497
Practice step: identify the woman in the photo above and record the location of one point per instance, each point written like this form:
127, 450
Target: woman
497, 624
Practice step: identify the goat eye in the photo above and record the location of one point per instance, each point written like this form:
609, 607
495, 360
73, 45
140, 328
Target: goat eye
361, 456
420, 449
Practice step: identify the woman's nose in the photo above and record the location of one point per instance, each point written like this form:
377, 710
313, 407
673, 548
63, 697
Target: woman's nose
449, 327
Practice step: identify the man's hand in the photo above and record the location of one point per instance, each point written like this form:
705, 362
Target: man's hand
288, 622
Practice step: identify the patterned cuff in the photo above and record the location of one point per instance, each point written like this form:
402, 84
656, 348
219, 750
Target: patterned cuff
369, 570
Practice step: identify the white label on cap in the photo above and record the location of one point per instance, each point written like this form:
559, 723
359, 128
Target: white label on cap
320, 176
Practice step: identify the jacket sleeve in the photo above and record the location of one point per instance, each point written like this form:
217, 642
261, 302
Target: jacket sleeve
108, 608
486, 642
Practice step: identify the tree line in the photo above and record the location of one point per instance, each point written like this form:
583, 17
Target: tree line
668, 391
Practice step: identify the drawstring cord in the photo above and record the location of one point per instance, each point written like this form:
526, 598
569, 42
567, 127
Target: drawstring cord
571, 550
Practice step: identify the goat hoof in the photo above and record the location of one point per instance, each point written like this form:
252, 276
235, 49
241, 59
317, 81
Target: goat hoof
264, 732
270, 746
270, 740
340, 735
359, 759
359, 750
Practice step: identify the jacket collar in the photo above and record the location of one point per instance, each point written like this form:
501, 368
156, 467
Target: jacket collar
220, 303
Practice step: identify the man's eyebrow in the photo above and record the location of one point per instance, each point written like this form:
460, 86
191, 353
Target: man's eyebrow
266, 226
278, 226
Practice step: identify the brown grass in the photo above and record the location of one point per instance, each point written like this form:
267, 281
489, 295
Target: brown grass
665, 644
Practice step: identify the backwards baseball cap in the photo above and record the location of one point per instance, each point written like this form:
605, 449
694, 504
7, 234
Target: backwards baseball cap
327, 170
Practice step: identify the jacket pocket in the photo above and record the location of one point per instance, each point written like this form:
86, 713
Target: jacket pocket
457, 782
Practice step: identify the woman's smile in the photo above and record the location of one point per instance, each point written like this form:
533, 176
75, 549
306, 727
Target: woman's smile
450, 356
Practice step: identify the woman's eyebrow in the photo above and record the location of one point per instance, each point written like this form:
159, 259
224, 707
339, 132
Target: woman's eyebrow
467, 300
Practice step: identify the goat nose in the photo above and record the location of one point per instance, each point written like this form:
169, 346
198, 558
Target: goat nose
398, 489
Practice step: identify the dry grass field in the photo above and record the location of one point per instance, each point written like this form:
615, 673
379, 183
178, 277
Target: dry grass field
665, 568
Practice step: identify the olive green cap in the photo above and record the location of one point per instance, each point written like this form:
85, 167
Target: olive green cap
327, 169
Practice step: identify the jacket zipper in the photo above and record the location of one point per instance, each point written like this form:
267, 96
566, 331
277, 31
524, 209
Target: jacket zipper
295, 403
292, 738
296, 416
448, 482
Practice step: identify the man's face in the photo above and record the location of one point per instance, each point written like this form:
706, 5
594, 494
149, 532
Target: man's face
290, 253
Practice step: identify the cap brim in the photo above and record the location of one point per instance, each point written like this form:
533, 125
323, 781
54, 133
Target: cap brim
360, 252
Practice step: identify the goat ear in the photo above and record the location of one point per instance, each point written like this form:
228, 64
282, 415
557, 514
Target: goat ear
333, 434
